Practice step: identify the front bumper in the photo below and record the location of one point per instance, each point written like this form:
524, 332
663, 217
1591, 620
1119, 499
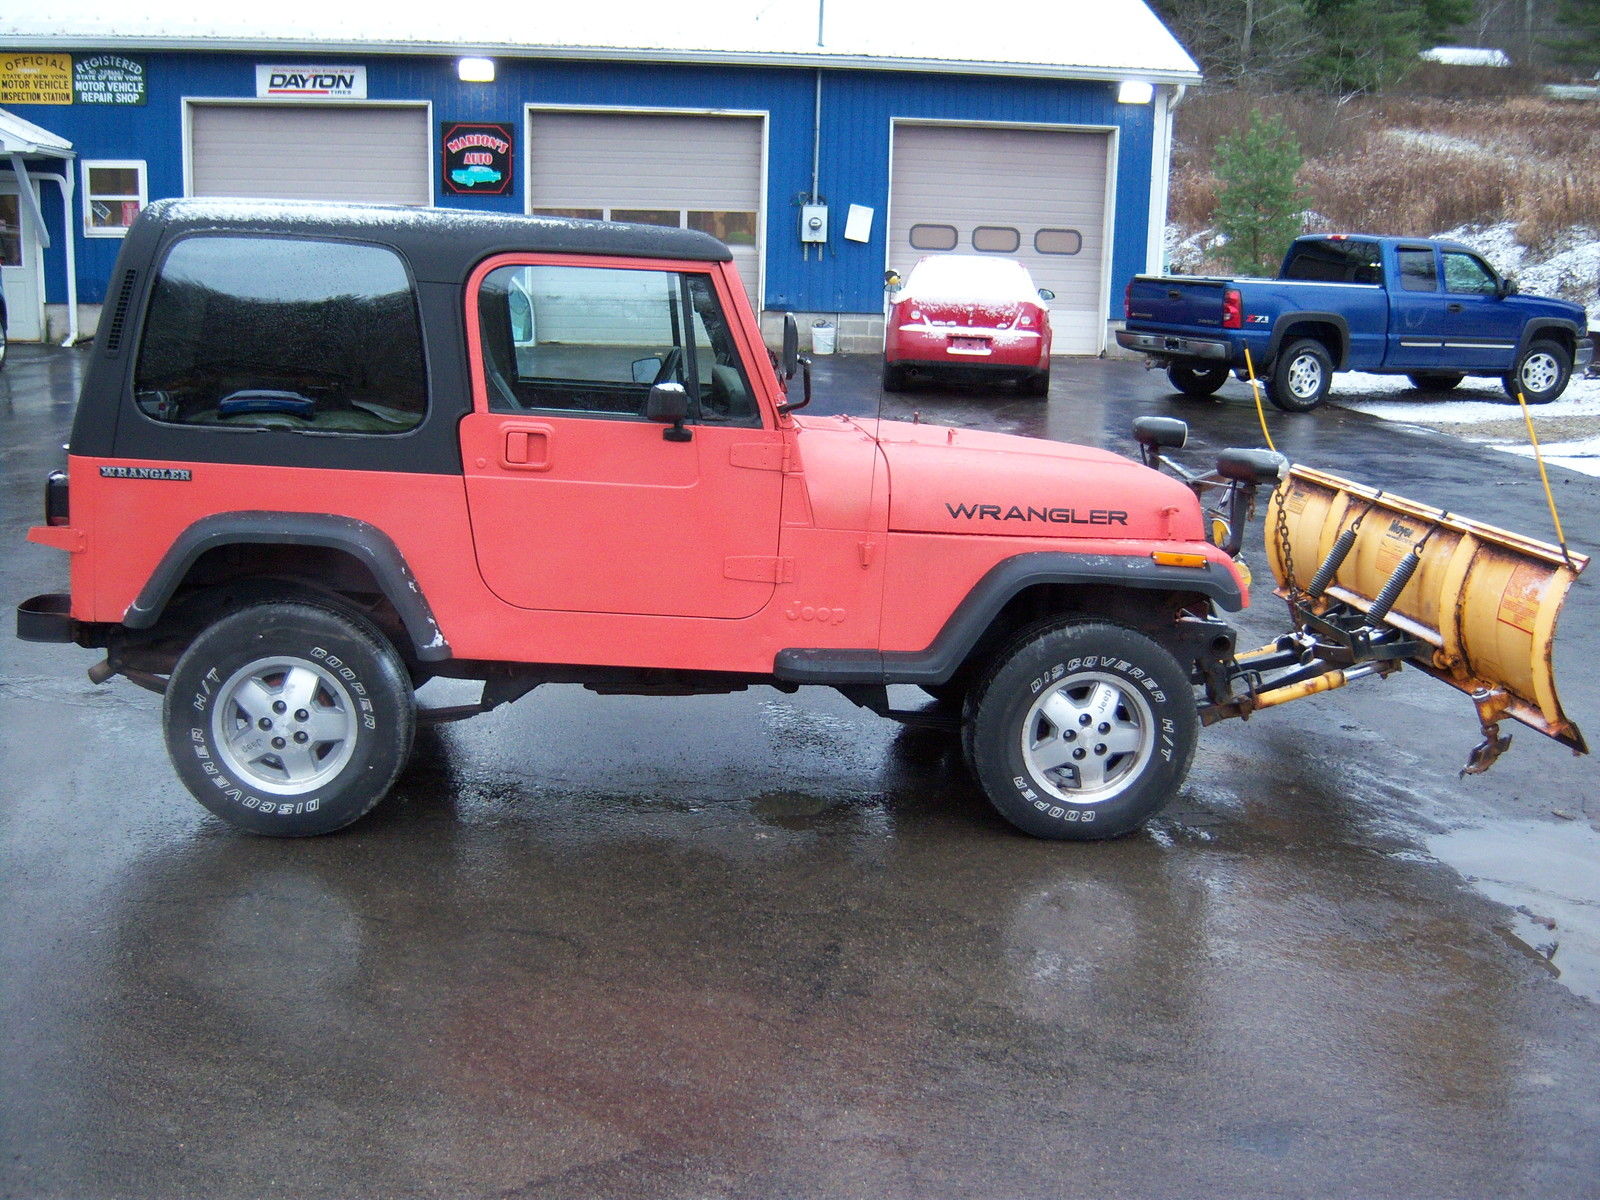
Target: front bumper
1584, 354
1174, 346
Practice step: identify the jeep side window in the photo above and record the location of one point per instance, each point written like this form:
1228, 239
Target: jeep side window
1464, 274
282, 333
593, 340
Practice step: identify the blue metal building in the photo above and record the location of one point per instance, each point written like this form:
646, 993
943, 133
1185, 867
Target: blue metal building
823, 146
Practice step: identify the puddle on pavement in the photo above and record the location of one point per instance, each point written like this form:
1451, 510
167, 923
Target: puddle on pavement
1545, 872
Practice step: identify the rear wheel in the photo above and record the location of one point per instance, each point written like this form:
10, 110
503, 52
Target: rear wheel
1036, 384
1436, 381
1540, 374
894, 377
1300, 376
289, 718
1081, 730
1196, 381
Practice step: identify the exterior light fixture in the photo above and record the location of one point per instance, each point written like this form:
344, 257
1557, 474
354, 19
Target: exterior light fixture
481, 70
1131, 91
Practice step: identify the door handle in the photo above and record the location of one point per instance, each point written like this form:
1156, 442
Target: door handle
526, 448
1456, 307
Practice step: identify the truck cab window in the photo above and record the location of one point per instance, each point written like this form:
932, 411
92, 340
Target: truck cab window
1465, 274
1417, 273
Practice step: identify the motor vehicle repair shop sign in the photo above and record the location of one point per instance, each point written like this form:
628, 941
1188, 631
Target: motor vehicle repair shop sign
63, 79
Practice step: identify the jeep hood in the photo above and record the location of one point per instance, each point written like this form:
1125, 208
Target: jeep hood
972, 482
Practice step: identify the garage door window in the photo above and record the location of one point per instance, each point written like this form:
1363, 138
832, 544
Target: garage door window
592, 341
732, 228
934, 237
1058, 241
580, 214
996, 239
282, 333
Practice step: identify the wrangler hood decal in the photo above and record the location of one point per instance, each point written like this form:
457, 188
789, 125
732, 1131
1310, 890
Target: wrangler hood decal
971, 482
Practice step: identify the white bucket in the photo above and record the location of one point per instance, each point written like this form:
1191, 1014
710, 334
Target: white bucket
822, 337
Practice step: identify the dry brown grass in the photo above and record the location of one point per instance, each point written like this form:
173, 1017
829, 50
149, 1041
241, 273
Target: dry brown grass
1412, 166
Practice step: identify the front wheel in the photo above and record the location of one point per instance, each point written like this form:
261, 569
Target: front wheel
1541, 373
1300, 377
1082, 730
289, 719
1196, 381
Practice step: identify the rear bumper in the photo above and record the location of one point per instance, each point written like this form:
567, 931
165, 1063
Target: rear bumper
47, 618
1176, 346
924, 345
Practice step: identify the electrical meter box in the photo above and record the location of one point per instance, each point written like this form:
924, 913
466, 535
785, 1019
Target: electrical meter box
813, 222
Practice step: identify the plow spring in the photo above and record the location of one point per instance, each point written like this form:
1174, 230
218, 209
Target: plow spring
1374, 581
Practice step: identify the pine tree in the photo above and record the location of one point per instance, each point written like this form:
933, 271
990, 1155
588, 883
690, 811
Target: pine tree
1579, 44
1258, 204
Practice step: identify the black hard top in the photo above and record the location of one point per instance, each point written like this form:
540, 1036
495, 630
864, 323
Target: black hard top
442, 244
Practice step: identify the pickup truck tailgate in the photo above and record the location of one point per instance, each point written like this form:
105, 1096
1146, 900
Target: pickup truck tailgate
1169, 300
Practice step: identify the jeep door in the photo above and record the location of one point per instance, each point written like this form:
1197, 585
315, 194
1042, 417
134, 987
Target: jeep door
578, 501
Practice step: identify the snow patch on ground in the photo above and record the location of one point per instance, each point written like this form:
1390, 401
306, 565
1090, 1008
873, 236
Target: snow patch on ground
1480, 411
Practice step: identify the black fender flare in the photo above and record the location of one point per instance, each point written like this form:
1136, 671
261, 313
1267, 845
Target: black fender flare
1537, 325
1340, 353
974, 615
366, 543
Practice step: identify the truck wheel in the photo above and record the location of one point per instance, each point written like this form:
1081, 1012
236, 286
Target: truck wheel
1082, 730
1300, 376
1541, 373
894, 377
1436, 381
1197, 381
289, 719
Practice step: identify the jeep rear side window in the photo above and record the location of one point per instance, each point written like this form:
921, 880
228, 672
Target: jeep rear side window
282, 333
593, 340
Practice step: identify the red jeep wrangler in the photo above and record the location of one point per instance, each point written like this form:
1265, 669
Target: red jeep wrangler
324, 453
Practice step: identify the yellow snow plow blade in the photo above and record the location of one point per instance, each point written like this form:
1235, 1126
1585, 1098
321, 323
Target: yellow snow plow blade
1480, 603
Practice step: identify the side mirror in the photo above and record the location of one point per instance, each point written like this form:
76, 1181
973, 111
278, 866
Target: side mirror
669, 404
1506, 287
1046, 294
790, 361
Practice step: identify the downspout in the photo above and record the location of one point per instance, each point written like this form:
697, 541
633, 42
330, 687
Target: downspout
31, 203
64, 181
1161, 182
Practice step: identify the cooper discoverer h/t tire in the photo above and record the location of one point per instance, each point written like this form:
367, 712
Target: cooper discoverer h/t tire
1082, 730
289, 718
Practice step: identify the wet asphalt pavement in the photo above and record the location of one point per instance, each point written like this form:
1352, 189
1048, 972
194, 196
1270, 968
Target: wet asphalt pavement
771, 946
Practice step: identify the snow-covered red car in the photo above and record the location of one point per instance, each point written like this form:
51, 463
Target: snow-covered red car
968, 317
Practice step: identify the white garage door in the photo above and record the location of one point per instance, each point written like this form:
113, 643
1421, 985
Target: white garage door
311, 152
1038, 196
695, 172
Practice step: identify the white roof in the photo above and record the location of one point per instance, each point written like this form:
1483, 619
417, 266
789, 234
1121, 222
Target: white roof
1467, 56
24, 137
1108, 39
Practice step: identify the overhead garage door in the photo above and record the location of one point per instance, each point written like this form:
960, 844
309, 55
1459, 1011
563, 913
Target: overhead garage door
311, 152
1038, 196
696, 172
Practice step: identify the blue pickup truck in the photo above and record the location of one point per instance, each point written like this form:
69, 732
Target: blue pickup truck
1431, 310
